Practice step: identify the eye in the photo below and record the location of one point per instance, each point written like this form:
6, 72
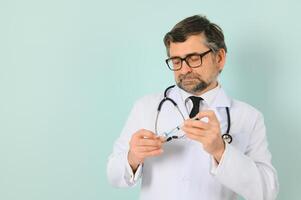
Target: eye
194, 58
176, 61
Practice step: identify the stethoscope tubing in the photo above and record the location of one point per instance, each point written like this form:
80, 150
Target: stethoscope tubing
226, 137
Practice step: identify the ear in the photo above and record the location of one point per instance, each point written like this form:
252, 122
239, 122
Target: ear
220, 59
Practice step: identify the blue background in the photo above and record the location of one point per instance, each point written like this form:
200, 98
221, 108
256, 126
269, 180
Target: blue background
70, 72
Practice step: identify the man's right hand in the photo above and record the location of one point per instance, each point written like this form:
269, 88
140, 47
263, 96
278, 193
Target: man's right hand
143, 144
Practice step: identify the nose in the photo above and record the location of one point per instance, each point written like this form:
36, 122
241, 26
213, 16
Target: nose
185, 68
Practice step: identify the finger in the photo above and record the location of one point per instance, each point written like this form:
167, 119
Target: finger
196, 124
143, 149
143, 133
208, 113
149, 142
162, 139
195, 131
152, 153
195, 137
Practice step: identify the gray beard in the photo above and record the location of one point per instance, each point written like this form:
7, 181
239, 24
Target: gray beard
199, 87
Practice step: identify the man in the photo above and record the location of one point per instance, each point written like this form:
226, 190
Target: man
218, 149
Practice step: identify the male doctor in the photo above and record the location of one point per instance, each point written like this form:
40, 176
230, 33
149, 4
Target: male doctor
201, 145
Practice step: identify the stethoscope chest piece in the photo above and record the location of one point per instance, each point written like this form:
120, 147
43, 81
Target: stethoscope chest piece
227, 138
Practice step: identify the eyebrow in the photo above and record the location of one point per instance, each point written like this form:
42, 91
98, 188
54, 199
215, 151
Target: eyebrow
185, 55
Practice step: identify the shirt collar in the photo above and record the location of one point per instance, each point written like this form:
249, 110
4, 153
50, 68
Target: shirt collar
215, 97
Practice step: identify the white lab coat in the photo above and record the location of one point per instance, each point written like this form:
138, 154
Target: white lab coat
185, 170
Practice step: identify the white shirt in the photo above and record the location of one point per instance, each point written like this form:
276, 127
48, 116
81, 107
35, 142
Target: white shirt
185, 170
208, 98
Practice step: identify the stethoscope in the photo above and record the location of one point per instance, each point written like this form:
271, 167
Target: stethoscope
226, 136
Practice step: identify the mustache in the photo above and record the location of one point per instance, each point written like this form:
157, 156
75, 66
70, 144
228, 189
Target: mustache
189, 76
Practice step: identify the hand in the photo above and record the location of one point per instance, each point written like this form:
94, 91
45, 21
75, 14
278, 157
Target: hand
209, 134
143, 144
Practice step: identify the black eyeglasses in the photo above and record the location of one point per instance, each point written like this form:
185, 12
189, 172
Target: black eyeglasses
193, 60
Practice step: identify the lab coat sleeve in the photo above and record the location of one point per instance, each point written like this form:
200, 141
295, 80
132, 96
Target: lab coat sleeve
249, 174
119, 172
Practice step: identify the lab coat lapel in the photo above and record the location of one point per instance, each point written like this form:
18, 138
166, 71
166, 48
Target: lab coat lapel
218, 106
222, 100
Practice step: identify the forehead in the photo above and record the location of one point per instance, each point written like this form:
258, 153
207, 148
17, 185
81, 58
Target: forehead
193, 44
